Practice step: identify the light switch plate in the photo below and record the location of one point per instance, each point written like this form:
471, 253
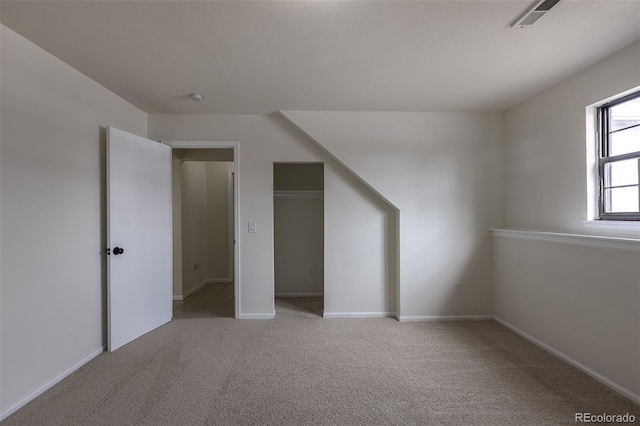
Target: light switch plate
252, 227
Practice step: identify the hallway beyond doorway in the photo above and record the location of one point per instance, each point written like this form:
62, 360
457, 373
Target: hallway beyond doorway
213, 300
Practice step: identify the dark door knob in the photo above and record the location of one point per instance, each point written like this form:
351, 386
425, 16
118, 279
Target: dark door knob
118, 250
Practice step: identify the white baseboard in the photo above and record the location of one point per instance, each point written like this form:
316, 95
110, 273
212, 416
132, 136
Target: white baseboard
199, 286
359, 315
257, 316
599, 377
33, 395
404, 318
299, 294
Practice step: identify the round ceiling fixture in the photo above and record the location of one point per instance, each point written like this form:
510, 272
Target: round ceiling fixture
196, 97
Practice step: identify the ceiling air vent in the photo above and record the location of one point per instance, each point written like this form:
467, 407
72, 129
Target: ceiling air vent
534, 14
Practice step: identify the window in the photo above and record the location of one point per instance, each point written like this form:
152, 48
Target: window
619, 159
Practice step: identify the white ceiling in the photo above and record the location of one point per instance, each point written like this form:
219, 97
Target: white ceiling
263, 56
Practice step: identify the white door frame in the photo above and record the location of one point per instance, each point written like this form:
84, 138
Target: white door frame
231, 222
236, 210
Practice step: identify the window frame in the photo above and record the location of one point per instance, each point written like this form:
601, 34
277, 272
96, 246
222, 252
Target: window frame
604, 158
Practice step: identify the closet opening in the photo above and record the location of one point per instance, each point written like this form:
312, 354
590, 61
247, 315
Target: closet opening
298, 212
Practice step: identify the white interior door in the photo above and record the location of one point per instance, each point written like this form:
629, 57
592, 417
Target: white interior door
139, 236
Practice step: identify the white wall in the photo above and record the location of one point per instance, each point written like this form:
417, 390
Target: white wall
53, 221
443, 172
217, 222
360, 261
582, 301
264, 140
194, 224
546, 149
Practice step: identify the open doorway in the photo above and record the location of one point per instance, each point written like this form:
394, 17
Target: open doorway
299, 236
203, 239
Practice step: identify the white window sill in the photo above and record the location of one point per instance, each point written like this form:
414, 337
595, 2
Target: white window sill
620, 225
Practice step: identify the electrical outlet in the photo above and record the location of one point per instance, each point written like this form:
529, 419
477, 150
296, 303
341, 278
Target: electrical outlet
457, 286
311, 272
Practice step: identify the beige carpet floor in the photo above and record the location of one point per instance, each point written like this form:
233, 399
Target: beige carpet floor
301, 369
